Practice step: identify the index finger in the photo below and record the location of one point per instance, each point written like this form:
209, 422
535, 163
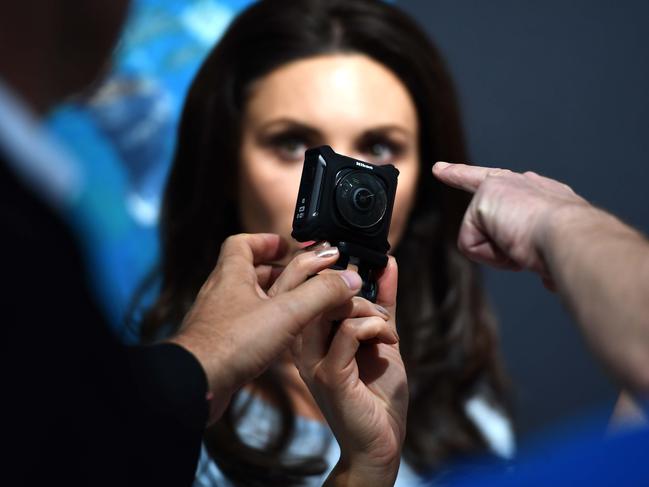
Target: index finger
254, 248
461, 176
387, 282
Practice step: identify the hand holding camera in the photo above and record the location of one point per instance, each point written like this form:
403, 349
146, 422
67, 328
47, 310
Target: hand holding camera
354, 370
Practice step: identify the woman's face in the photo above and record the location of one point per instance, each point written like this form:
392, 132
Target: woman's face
347, 101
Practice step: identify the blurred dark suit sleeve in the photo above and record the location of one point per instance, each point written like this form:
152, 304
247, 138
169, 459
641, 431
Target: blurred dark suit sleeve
77, 406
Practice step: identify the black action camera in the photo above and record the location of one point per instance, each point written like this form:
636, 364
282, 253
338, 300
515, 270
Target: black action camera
348, 203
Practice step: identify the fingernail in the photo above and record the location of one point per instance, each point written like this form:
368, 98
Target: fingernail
439, 165
323, 244
352, 279
307, 244
326, 253
382, 310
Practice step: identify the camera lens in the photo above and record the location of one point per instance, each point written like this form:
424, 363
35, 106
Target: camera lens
361, 199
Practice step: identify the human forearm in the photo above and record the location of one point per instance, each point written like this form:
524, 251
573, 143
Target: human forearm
600, 267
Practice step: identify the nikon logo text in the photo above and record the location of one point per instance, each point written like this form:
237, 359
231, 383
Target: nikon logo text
366, 166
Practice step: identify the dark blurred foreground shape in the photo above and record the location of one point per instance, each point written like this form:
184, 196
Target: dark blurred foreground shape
77, 407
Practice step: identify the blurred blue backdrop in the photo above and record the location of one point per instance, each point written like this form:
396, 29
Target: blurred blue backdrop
126, 133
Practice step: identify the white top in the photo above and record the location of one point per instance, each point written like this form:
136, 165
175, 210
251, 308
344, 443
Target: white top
313, 437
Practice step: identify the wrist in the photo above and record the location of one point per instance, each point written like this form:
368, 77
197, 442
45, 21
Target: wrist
219, 391
360, 473
576, 230
559, 223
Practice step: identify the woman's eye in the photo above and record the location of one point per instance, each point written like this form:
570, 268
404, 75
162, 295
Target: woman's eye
381, 152
290, 148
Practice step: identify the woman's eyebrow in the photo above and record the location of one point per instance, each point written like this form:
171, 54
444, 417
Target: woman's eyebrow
291, 124
384, 129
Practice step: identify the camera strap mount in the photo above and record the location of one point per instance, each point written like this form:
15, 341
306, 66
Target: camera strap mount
368, 261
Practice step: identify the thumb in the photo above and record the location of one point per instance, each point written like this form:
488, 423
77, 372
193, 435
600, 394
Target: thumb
296, 308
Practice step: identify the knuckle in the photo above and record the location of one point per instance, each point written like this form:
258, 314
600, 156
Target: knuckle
347, 328
567, 188
462, 244
482, 208
377, 323
302, 262
498, 173
358, 304
231, 241
236, 268
380, 322
230, 245
320, 376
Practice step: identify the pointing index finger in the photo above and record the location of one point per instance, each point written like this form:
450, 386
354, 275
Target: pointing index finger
461, 176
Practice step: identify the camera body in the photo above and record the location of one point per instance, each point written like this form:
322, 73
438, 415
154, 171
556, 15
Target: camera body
348, 203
